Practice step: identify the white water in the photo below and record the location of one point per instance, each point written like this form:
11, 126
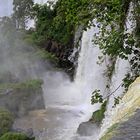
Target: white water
74, 97
122, 67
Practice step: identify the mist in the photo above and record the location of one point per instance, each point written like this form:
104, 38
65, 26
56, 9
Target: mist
16, 57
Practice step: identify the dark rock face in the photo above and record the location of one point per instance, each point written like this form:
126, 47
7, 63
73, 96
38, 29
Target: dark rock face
62, 52
129, 130
20, 102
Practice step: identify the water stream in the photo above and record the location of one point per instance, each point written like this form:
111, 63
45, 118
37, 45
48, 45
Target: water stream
122, 67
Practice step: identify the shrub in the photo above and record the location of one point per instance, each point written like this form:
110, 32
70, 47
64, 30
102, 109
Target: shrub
15, 136
99, 114
6, 121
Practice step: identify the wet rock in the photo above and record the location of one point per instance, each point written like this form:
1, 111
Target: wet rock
21, 98
129, 130
126, 116
62, 52
31, 125
87, 129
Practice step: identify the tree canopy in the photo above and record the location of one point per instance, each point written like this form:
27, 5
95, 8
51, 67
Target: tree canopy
22, 12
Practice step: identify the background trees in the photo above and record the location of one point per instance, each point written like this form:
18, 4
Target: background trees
59, 23
22, 12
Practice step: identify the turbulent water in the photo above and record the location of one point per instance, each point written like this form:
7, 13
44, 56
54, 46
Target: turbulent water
68, 104
72, 99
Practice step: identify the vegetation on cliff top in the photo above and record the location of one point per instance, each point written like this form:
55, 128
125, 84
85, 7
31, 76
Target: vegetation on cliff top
59, 22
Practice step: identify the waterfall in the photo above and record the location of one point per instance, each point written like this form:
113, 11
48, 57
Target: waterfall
89, 73
122, 67
75, 97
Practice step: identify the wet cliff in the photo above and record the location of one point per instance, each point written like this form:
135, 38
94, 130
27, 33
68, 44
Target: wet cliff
125, 120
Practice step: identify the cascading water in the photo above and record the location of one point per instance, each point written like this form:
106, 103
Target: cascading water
122, 67
73, 98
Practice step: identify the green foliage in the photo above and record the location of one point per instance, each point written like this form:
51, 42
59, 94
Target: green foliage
47, 55
60, 22
128, 80
69, 10
111, 16
99, 115
110, 69
29, 38
15, 136
44, 16
6, 121
112, 39
49, 25
96, 97
135, 68
22, 12
116, 101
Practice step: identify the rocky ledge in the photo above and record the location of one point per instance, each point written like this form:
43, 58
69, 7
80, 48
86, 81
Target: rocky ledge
125, 122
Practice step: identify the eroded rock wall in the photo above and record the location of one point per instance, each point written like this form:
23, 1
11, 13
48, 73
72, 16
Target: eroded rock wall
125, 121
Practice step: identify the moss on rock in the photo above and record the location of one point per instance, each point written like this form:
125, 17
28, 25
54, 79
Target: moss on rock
6, 121
99, 114
15, 136
111, 132
121, 114
20, 98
